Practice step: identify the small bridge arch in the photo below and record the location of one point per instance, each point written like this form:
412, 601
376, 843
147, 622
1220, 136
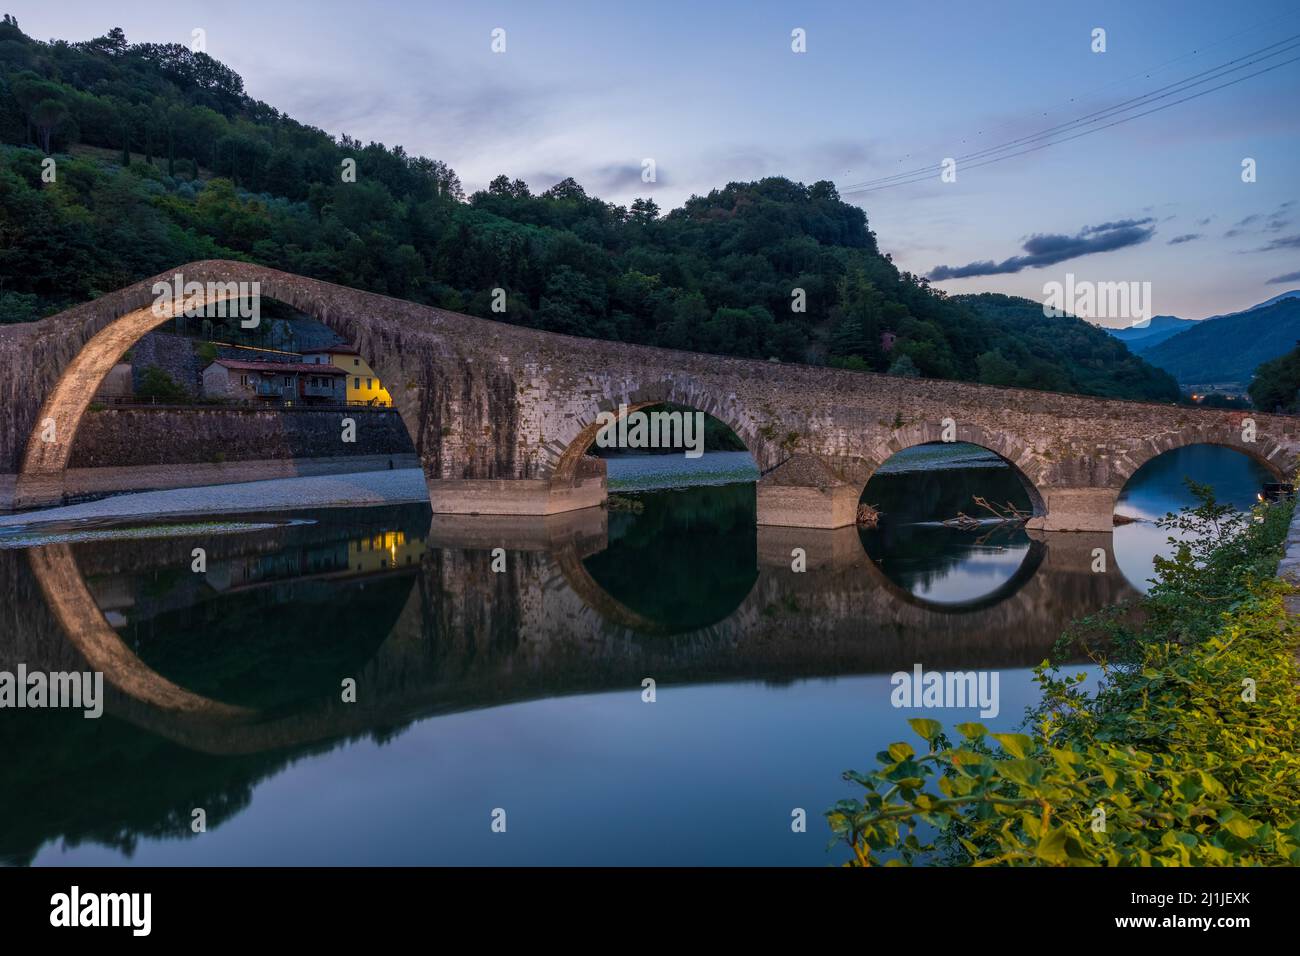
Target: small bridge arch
1276, 459
1027, 468
682, 392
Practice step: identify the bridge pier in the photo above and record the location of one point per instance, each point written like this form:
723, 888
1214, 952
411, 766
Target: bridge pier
1076, 509
803, 492
527, 497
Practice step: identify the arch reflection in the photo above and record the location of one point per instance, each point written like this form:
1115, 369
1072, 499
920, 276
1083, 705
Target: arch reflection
952, 568
1160, 487
683, 559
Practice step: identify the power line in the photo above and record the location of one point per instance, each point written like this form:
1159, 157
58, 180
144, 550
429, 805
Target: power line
929, 171
1151, 71
1097, 116
1088, 119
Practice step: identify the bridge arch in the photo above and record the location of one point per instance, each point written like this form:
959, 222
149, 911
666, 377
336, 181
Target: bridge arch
1026, 466
123, 318
683, 392
1277, 459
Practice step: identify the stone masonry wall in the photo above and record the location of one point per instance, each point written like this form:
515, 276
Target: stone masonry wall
171, 353
146, 435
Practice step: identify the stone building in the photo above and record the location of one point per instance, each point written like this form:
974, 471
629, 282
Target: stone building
285, 383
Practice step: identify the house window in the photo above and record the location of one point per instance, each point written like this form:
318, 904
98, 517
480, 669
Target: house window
287, 381
356, 383
243, 380
356, 361
368, 385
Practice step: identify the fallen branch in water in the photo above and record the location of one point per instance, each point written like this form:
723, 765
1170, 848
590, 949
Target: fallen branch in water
1005, 514
1008, 512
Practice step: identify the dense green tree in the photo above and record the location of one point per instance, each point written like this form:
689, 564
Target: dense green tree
1276, 385
994, 369
904, 367
157, 384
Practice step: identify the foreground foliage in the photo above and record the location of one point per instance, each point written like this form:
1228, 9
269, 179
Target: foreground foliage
1189, 754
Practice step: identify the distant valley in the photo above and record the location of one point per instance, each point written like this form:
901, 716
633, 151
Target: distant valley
1223, 350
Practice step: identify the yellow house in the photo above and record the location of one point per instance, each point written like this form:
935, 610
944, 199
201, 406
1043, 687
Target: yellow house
364, 387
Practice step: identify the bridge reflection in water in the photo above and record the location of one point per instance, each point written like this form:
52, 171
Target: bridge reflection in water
245, 661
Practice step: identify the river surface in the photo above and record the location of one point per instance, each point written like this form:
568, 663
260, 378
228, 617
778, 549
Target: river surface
500, 667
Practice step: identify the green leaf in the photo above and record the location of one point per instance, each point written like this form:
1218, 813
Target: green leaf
1238, 825
1018, 745
1022, 771
1051, 848
927, 729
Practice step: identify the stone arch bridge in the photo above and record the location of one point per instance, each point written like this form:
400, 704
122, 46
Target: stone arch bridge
501, 415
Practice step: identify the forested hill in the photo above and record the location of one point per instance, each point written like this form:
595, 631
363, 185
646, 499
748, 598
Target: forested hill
1062, 354
162, 158
1226, 350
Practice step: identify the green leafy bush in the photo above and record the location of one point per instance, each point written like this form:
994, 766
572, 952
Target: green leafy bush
1189, 753
156, 383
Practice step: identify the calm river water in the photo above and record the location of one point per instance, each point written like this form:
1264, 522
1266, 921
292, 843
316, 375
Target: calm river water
508, 684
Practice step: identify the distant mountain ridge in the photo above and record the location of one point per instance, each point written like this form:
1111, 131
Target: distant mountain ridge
1226, 350
1161, 327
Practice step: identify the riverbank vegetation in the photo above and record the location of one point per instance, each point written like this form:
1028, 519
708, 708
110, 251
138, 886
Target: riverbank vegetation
163, 158
1188, 754
1276, 385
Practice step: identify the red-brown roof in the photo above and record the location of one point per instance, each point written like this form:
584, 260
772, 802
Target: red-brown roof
281, 367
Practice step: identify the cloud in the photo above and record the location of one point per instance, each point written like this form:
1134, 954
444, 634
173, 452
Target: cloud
1286, 242
1205, 222
1188, 237
1275, 221
620, 178
1239, 227
1112, 226
1289, 277
1047, 249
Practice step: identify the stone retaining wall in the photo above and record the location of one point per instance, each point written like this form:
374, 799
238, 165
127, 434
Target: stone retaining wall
122, 437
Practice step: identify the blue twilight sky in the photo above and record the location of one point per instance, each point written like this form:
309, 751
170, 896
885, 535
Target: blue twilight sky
713, 93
